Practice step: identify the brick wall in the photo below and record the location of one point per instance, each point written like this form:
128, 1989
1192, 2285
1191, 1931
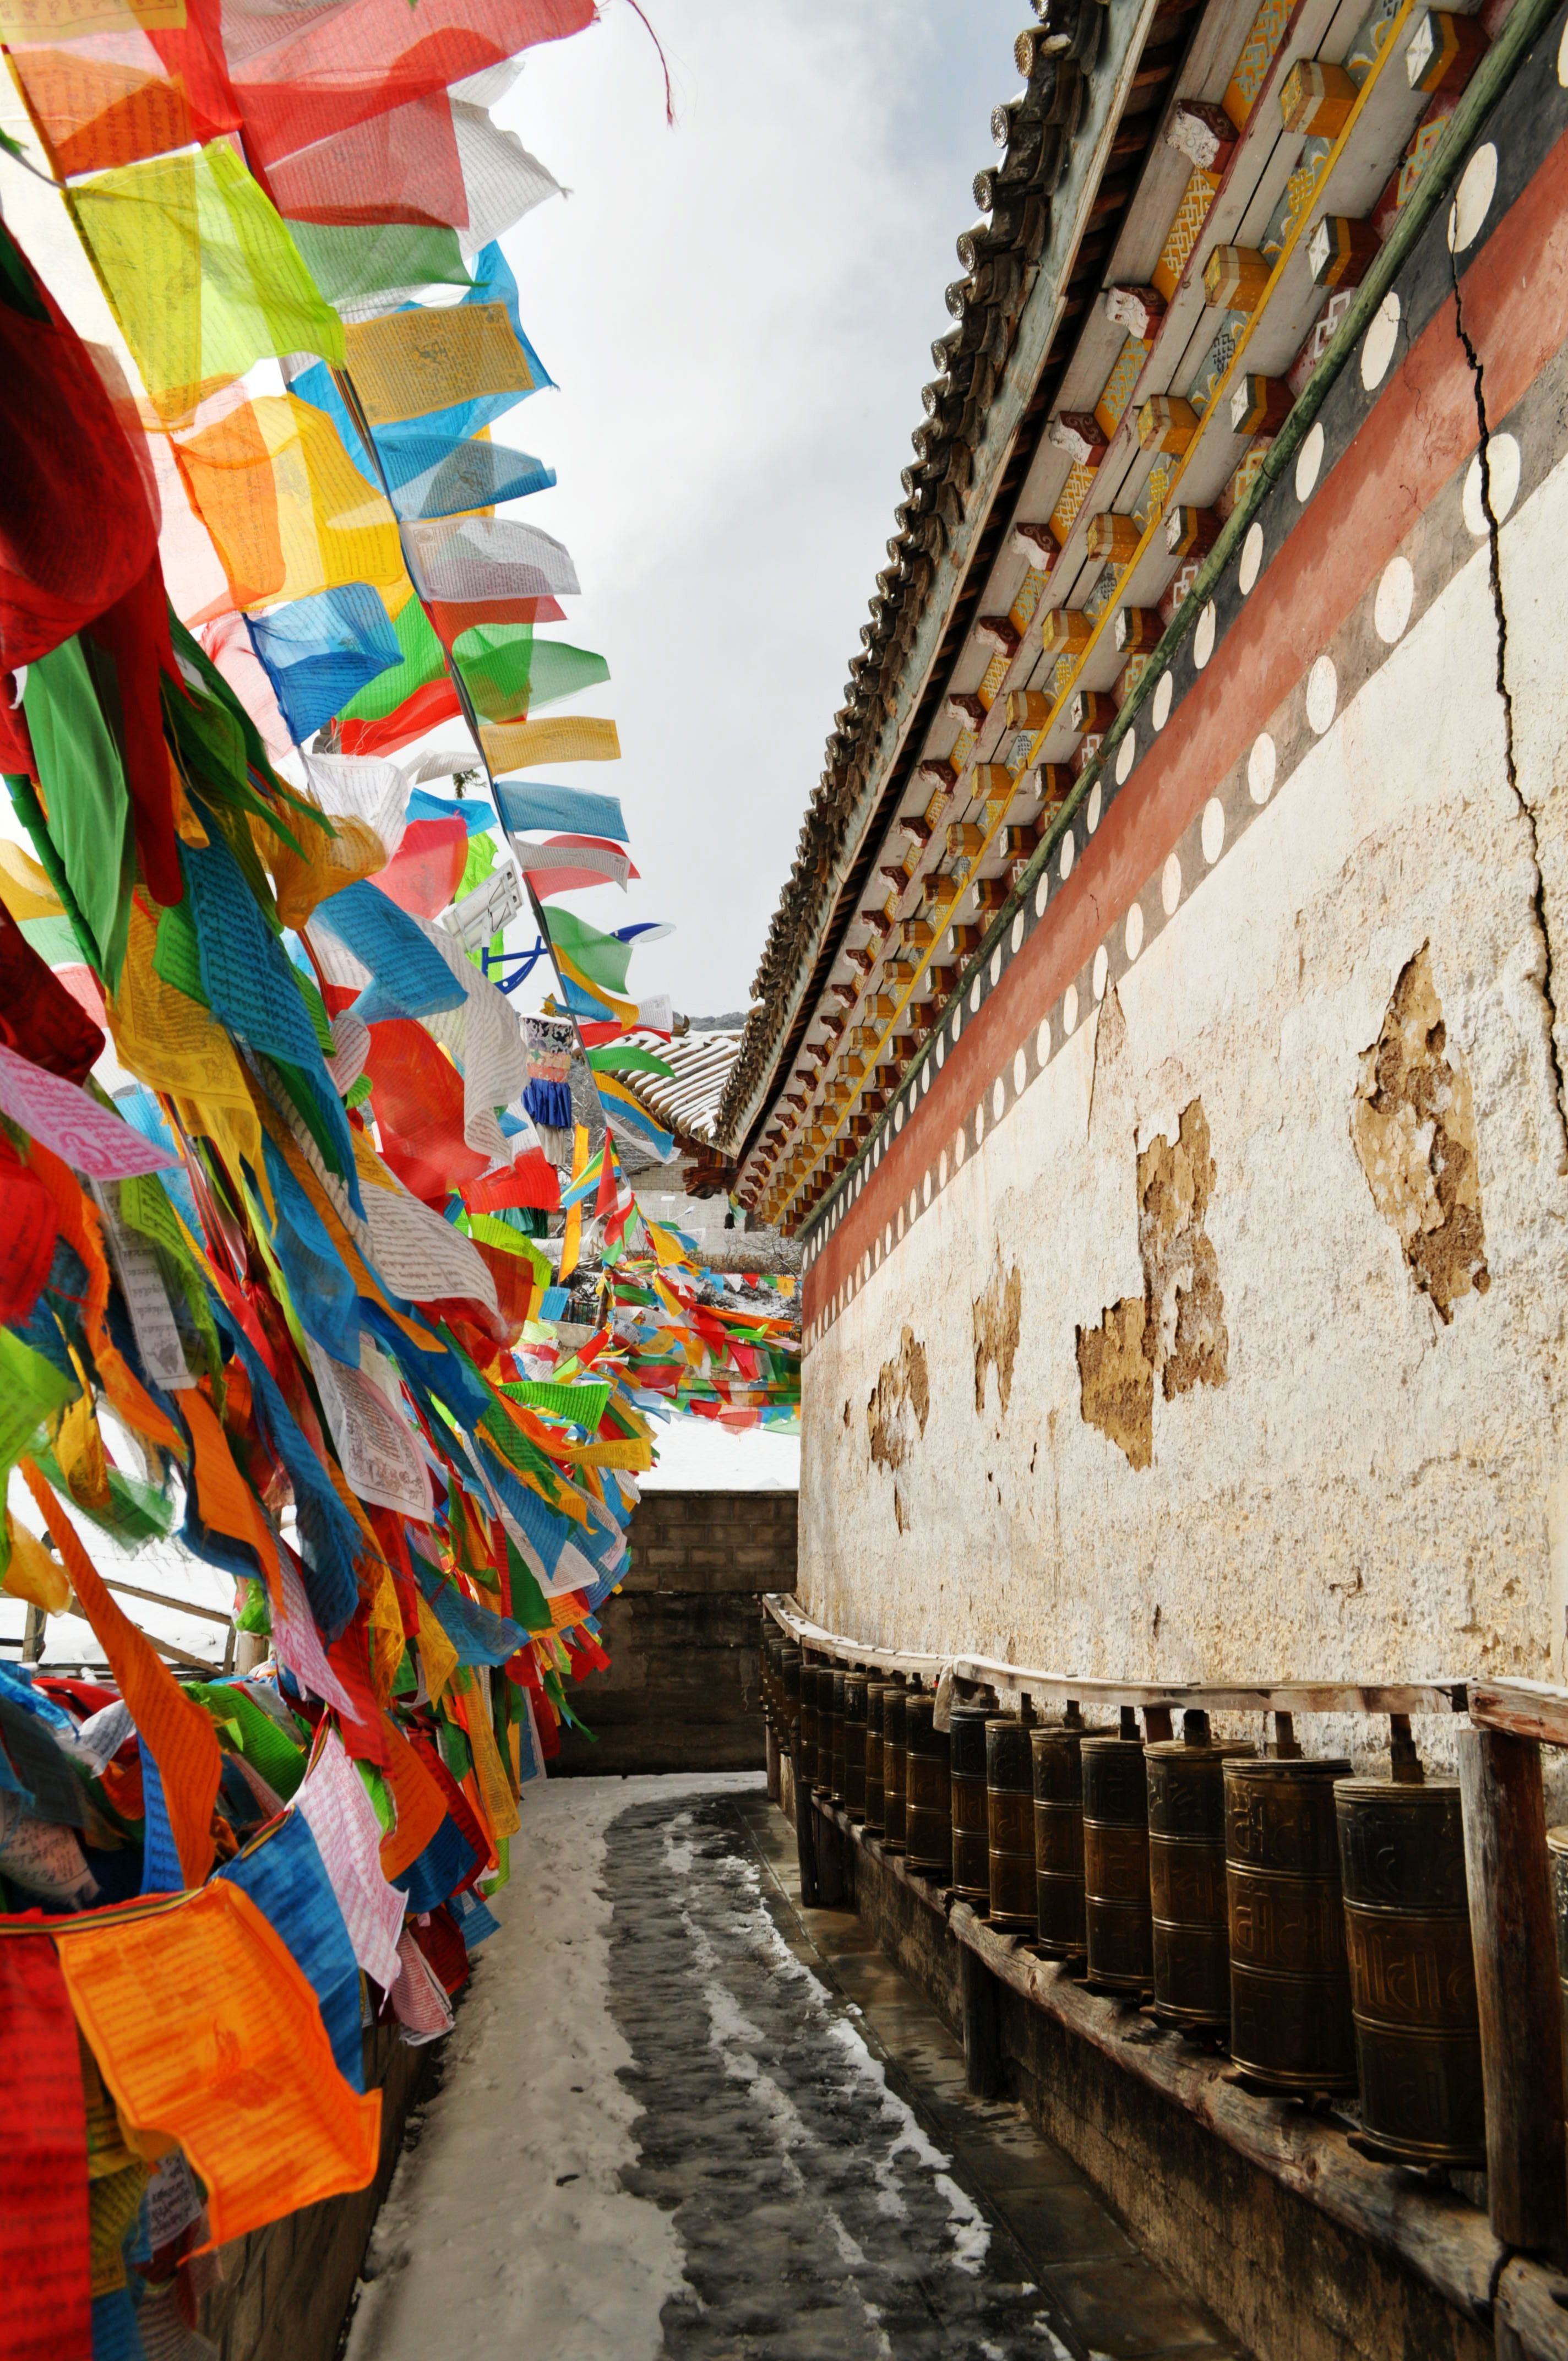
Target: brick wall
681, 1693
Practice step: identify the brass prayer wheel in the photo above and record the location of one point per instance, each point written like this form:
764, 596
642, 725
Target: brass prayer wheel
893, 1765
1056, 1762
876, 1691
1186, 1877
835, 1764
1413, 1975
1118, 1922
854, 1788
1010, 1818
928, 1816
966, 1785
1290, 2021
805, 1737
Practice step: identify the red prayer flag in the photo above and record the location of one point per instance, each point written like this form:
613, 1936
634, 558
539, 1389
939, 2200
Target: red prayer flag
46, 2280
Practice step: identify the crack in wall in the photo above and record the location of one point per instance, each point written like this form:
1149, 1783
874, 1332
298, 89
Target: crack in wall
1505, 698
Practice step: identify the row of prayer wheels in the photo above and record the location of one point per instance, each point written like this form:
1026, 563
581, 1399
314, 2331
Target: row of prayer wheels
1314, 1922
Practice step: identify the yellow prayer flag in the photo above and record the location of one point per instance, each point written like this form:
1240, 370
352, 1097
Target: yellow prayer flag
288, 512
523, 745
411, 363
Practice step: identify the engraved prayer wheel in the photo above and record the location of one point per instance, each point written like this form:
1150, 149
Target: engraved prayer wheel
966, 1788
1186, 1877
876, 1694
1413, 1975
806, 1736
1117, 1921
1557, 1847
893, 1765
1290, 2021
854, 1788
928, 1813
1009, 1821
789, 1681
1056, 1761
834, 1768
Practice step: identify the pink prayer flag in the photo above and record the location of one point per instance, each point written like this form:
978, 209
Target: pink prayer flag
88, 1137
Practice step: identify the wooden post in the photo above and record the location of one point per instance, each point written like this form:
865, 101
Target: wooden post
980, 2001
806, 1849
1514, 1945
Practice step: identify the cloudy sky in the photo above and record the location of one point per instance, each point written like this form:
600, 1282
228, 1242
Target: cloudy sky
739, 314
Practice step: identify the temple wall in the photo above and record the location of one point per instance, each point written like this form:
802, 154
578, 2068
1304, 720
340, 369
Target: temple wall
1205, 1317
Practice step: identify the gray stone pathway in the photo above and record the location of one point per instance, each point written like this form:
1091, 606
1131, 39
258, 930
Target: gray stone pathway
835, 2193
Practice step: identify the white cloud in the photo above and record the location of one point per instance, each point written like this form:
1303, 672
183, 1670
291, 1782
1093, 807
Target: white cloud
738, 314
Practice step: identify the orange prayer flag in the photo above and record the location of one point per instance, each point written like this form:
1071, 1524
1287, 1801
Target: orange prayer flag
420, 1805
207, 2032
225, 1501
79, 1225
180, 1736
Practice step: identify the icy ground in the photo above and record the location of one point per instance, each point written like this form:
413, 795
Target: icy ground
660, 2134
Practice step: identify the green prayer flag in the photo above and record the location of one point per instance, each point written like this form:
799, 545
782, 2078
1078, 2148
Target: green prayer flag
85, 799
507, 671
378, 258
603, 958
424, 660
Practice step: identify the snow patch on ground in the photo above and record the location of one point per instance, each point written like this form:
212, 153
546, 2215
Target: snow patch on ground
512, 2204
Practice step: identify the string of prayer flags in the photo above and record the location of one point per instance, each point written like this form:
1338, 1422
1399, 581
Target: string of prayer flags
288, 513
319, 652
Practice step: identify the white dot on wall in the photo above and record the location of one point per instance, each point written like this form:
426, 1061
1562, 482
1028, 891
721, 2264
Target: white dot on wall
876, 1257
1170, 884
860, 1179
1308, 463
1020, 1069
941, 1051
958, 1146
995, 966
1162, 696
926, 1189
1126, 755
1502, 483
1323, 694
1064, 866
1018, 935
1251, 565
998, 1100
980, 1122
1102, 968
1042, 894
1473, 199
1261, 765
1378, 344
1043, 1041
1396, 595
1069, 1009
1204, 637
1092, 809
958, 1025
974, 995
914, 1203
901, 1221
898, 1118
876, 1153
1133, 933
925, 1080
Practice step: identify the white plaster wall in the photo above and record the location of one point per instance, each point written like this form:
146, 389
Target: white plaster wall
1370, 1493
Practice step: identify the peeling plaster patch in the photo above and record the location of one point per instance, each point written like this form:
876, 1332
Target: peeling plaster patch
1115, 1381
1413, 1124
1186, 1344
902, 1387
997, 1335
1175, 1331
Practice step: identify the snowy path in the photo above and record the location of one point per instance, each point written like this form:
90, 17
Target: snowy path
662, 2133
